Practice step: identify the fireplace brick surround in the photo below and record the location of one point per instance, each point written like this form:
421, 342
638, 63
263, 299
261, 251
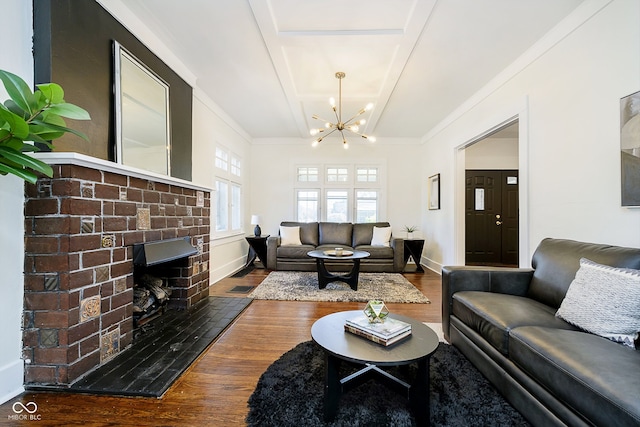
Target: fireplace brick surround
80, 228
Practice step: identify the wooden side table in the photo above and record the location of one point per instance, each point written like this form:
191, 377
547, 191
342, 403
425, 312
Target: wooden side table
257, 248
414, 248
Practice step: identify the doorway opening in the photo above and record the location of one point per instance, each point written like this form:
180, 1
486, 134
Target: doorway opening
491, 201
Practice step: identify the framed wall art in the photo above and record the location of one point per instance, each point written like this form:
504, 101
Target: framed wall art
630, 149
434, 192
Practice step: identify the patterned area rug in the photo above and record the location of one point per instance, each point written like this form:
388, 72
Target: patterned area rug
303, 286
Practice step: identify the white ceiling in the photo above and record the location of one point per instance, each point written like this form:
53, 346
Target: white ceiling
270, 64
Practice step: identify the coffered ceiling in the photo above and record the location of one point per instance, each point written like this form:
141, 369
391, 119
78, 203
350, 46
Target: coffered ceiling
270, 64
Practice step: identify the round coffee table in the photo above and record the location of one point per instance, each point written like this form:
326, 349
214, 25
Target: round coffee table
325, 277
328, 332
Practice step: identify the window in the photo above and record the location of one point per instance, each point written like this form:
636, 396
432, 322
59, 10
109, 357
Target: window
236, 207
364, 174
222, 159
337, 205
222, 206
308, 205
337, 174
228, 198
308, 174
366, 206
339, 193
236, 166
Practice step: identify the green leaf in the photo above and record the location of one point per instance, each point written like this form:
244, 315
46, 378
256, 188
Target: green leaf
52, 92
53, 127
49, 118
26, 161
15, 143
25, 174
18, 126
39, 101
29, 148
41, 133
15, 109
69, 111
18, 90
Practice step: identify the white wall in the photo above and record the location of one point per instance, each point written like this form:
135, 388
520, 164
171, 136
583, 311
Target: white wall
492, 153
15, 57
212, 128
567, 96
273, 180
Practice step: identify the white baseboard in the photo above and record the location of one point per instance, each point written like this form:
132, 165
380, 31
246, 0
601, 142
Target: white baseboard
226, 270
11, 380
431, 265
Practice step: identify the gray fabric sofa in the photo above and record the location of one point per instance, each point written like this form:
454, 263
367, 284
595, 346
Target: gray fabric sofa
503, 320
329, 235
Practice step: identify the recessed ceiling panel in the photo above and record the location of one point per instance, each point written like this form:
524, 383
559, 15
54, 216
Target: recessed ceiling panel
340, 15
313, 68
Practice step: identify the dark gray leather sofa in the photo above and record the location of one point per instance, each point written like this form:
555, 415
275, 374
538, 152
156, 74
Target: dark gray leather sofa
503, 320
329, 235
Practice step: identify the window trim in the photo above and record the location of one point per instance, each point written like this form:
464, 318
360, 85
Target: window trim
351, 185
232, 178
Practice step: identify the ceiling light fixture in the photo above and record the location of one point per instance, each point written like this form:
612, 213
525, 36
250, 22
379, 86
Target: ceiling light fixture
350, 125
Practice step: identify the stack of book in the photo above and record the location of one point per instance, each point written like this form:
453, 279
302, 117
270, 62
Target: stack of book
387, 333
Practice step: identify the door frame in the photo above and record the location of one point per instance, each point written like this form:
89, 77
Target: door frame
522, 117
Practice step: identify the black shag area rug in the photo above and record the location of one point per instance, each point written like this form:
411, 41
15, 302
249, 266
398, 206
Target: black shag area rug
290, 393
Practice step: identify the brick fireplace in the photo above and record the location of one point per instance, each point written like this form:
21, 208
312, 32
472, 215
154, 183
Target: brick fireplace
80, 228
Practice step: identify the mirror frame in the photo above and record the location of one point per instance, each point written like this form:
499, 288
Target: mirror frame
120, 54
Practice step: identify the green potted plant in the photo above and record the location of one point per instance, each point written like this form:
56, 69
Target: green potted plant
32, 117
410, 230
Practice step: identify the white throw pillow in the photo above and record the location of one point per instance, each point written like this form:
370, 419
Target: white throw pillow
604, 301
290, 235
381, 236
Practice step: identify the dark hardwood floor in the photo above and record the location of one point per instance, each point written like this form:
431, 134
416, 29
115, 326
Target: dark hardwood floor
215, 389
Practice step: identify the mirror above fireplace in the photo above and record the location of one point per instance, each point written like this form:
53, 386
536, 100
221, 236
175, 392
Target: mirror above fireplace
142, 115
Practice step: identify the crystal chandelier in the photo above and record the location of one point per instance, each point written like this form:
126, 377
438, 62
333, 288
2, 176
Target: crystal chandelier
352, 125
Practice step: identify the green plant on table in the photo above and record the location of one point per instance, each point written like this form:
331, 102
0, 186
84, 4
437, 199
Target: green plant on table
32, 117
410, 229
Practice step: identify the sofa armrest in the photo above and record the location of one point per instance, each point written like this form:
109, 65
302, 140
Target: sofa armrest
272, 252
513, 281
397, 244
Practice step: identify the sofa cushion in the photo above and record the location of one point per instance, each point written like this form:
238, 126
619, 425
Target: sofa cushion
335, 233
556, 262
381, 236
363, 232
308, 231
290, 236
294, 251
377, 252
605, 301
591, 374
494, 315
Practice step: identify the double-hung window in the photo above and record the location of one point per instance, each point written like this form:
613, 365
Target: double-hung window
308, 205
228, 199
338, 193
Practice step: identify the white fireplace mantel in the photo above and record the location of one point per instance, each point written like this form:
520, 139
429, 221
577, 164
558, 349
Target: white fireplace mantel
67, 158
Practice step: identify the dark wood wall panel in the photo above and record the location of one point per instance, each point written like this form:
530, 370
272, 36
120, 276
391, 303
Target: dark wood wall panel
73, 46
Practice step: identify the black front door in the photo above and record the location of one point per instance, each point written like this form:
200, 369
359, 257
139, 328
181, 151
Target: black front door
491, 217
